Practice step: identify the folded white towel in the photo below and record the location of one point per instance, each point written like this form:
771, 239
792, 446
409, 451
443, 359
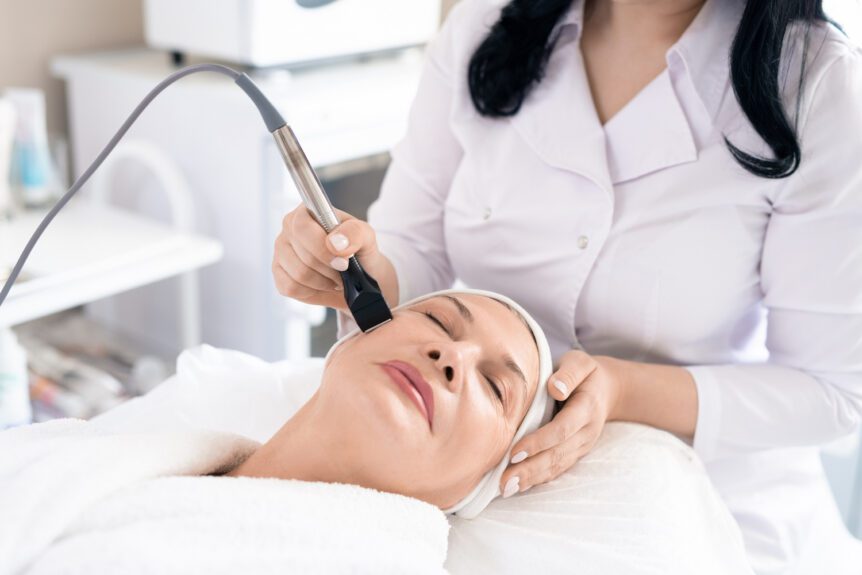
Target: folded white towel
76, 498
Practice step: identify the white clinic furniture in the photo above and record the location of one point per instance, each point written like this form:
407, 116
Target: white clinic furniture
279, 32
90, 252
343, 113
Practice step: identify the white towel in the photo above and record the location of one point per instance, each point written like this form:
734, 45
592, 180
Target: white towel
76, 498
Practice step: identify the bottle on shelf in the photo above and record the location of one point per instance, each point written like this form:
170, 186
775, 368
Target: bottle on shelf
15, 408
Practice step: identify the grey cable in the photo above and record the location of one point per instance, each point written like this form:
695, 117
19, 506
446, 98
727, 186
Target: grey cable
270, 115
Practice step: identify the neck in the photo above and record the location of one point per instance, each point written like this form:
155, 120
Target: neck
302, 449
641, 23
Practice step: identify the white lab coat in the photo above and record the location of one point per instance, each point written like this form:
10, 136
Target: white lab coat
644, 239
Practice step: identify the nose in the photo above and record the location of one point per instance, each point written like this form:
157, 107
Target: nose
454, 360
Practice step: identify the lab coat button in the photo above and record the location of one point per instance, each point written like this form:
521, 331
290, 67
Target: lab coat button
487, 214
583, 242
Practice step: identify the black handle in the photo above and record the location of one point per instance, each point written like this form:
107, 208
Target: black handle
363, 297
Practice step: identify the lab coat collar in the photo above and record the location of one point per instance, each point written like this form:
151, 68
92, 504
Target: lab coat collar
649, 133
704, 51
572, 21
558, 118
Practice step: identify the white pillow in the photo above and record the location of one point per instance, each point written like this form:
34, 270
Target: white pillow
639, 502
222, 390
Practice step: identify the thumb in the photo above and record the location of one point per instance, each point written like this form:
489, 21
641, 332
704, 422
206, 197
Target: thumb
575, 366
360, 239
561, 385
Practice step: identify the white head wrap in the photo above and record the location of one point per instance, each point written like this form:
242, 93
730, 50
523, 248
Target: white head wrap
538, 413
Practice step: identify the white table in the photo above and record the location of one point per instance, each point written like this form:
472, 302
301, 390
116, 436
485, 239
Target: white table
90, 252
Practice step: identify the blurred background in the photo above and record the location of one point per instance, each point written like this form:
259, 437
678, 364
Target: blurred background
29, 39
172, 243
197, 162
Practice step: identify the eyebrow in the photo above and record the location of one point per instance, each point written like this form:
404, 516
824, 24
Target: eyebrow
462, 309
508, 361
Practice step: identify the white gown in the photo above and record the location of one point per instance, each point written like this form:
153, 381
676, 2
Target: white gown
645, 240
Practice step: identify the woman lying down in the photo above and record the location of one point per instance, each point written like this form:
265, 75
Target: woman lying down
408, 408
407, 422
390, 462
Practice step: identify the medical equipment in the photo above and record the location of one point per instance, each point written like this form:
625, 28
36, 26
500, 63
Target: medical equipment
361, 291
347, 139
366, 303
7, 137
287, 32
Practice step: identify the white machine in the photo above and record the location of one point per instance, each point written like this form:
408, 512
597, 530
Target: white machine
265, 33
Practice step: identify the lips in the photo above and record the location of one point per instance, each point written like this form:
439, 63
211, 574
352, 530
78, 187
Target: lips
411, 381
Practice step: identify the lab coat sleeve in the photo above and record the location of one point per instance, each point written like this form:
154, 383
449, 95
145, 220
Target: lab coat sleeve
810, 390
407, 216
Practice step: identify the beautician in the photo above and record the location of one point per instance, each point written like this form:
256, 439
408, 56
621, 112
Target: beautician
646, 180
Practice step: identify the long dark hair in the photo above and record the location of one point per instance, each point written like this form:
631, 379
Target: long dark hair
512, 58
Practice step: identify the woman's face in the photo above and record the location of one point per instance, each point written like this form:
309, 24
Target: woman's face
458, 343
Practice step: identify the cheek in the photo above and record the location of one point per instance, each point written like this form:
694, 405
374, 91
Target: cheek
349, 362
368, 407
481, 437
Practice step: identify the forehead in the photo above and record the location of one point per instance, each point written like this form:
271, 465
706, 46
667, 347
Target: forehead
501, 311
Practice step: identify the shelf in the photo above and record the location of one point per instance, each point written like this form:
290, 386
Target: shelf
90, 252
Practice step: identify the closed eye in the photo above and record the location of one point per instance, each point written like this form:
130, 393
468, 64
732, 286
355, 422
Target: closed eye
433, 318
495, 387
448, 332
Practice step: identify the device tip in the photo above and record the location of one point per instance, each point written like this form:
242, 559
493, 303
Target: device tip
370, 311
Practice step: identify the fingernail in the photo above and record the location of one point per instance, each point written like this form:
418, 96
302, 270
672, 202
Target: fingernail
339, 263
338, 241
339, 288
561, 386
511, 487
519, 457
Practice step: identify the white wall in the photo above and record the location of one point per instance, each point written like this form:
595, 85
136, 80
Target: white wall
848, 13
447, 5
33, 31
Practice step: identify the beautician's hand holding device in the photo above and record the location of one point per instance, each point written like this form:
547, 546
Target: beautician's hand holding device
307, 260
649, 179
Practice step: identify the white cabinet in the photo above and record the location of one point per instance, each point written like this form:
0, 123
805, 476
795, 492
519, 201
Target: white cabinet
277, 32
240, 188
